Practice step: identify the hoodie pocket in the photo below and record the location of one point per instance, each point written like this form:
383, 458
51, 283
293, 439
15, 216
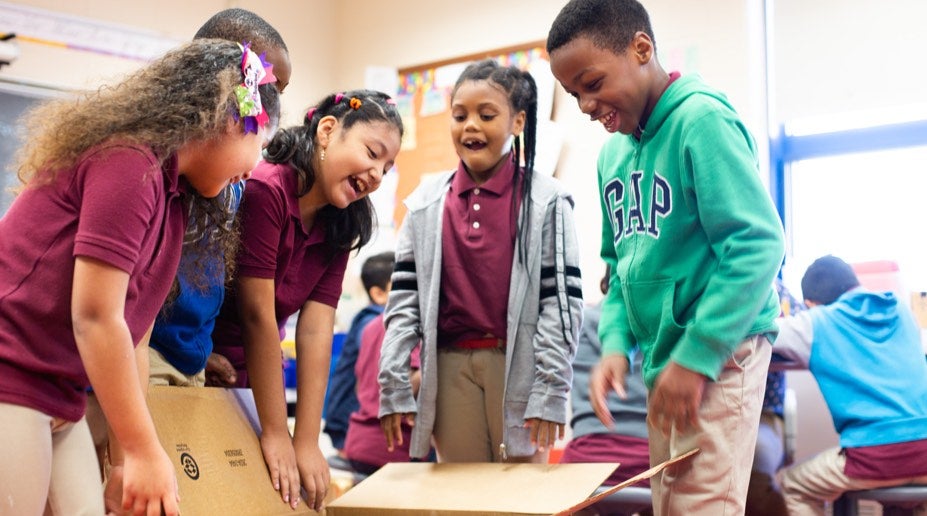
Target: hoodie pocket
650, 310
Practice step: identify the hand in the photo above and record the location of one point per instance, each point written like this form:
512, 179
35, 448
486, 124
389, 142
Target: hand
280, 458
149, 484
609, 372
676, 398
544, 433
391, 424
112, 490
219, 371
313, 473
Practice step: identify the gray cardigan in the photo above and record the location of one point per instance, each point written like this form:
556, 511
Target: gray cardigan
541, 334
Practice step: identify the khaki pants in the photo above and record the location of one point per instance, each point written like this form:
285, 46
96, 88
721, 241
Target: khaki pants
715, 481
468, 420
48, 465
821, 479
161, 372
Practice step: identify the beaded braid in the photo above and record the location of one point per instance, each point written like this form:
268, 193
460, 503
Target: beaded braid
349, 228
522, 92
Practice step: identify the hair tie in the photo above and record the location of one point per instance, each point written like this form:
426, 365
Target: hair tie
355, 103
391, 101
256, 71
309, 114
338, 97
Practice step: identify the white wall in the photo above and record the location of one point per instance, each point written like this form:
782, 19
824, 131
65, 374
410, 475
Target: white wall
309, 32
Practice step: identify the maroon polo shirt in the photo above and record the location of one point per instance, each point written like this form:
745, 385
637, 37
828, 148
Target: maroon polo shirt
478, 245
274, 245
117, 205
364, 441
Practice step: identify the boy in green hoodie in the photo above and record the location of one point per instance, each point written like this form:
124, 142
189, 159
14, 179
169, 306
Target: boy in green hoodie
694, 244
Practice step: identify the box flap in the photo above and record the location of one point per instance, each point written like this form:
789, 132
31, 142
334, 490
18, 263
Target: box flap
631, 481
216, 453
483, 488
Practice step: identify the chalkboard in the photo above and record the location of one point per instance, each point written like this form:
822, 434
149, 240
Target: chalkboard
15, 99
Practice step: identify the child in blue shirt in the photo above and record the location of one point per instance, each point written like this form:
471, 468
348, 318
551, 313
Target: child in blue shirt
864, 350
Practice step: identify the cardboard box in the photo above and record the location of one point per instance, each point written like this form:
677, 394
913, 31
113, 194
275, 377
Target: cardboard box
481, 488
475, 488
216, 452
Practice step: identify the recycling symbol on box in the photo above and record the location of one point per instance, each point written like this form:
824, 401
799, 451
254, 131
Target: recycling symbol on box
189, 466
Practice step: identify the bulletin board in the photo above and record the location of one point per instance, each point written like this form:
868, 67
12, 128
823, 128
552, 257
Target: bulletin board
424, 102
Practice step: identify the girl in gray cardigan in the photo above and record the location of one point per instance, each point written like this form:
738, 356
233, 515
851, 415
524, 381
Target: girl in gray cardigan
487, 279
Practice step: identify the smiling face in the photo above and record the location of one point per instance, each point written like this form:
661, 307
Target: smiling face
355, 160
211, 165
483, 127
611, 88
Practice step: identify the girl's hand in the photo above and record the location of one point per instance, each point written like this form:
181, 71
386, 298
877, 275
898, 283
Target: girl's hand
391, 425
314, 474
149, 484
544, 433
281, 463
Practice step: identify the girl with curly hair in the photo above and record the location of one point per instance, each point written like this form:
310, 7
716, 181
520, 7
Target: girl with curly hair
88, 251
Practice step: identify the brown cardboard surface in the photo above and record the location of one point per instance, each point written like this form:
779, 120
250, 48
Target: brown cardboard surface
481, 488
218, 460
631, 481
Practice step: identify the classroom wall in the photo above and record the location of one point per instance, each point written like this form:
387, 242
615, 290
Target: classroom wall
307, 27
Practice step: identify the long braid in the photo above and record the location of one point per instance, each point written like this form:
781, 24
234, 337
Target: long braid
530, 96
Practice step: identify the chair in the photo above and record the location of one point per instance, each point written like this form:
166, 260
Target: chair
896, 501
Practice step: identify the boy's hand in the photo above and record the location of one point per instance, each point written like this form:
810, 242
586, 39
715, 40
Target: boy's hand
391, 424
676, 398
608, 374
314, 474
280, 458
544, 433
219, 371
149, 484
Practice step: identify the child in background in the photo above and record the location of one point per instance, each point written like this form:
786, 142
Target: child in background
864, 350
305, 208
363, 446
626, 441
341, 399
181, 343
694, 243
487, 278
87, 254
764, 496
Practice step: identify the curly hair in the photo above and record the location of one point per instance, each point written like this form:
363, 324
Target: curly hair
185, 95
522, 91
349, 228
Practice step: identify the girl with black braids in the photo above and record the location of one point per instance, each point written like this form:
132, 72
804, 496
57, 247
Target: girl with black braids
486, 276
304, 209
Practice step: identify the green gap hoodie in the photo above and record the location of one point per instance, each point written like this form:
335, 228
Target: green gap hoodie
691, 233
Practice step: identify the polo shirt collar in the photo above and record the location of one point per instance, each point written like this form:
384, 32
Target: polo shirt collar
172, 177
498, 184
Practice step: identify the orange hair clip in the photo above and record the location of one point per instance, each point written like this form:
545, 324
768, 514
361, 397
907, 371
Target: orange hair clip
355, 103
